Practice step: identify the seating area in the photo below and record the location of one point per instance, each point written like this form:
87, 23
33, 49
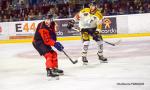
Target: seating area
26, 10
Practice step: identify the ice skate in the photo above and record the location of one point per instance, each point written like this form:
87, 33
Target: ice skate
52, 75
85, 61
102, 58
58, 71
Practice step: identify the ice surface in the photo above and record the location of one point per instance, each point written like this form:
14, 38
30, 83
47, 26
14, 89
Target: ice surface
21, 68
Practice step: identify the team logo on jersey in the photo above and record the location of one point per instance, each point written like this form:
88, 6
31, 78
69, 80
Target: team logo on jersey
107, 23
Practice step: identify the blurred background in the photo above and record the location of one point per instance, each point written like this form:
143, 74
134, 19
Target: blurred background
27, 10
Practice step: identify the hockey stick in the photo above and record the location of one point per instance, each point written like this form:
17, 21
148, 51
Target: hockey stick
74, 62
113, 44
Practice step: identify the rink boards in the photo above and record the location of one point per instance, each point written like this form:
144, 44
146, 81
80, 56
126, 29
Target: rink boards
75, 38
121, 26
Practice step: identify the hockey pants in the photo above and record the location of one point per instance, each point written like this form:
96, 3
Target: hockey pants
51, 60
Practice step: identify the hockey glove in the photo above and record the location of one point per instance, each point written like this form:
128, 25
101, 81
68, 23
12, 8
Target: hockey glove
58, 46
98, 31
70, 24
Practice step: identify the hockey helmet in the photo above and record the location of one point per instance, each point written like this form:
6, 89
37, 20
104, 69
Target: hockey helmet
49, 16
93, 3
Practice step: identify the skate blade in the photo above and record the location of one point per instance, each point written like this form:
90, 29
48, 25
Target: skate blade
61, 74
53, 78
85, 63
103, 61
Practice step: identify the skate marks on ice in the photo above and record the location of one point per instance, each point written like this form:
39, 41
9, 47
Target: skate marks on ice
129, 49
52, 78
125, 49
28, 71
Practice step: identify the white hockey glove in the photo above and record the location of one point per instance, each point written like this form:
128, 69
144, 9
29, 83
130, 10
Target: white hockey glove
98, 30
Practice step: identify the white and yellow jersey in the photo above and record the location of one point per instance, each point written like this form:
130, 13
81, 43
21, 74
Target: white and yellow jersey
88, 20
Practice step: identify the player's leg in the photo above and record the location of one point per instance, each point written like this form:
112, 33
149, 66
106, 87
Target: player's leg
55, 63
46, 51
98, 38
50, 65
86, 40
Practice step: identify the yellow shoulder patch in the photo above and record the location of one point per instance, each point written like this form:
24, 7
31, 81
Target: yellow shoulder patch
98, 14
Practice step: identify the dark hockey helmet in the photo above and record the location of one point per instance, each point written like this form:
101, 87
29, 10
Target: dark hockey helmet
48, 19
49, 16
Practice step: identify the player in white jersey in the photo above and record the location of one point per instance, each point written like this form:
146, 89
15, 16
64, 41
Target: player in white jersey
90, 23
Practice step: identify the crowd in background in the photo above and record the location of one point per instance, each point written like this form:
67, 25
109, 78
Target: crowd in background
26, 10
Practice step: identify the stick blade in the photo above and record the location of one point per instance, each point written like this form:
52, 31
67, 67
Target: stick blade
117, 43
75, 61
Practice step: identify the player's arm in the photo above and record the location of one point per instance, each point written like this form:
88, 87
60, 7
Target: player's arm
78, 15
46, 37
99, 21
76, 18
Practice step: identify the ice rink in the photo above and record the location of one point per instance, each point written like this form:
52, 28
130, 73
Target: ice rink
128, 67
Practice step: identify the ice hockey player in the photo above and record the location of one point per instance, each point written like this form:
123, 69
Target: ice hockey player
44, 39
90, 24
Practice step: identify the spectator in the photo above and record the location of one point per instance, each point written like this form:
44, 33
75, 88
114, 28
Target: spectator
121, 11
131, 10
2, 13
141, 10
147, 9
64, 12
26, 18
15, 17
51, 11
106, 10
5, 18
31, 15
127, 9
36, 9
10, 19
4, 4
0, 18
113, 12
